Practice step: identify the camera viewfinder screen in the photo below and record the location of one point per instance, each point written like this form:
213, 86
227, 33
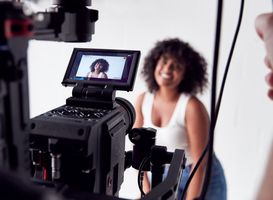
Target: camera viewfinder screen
102, 67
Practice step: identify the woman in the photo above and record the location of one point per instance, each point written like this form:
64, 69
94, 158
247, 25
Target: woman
175, 73
98, 69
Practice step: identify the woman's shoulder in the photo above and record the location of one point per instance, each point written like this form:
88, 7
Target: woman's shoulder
140, 98
138, 109
195, 106
103, 75
87, 74
194, 103
142, 95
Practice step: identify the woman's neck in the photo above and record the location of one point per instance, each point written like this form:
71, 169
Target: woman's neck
167, 94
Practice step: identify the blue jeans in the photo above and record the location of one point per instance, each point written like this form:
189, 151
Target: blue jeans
217, 189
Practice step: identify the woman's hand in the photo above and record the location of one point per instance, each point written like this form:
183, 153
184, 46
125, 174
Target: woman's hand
264, 28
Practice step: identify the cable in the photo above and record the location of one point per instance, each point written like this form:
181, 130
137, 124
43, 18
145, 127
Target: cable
213, 97
229, 59
193, 172
219, 99
140, 174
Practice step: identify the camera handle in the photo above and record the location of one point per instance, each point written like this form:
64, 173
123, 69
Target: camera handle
144, 139
159, 157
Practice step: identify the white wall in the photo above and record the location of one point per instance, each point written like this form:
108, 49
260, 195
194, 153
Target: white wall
244, 129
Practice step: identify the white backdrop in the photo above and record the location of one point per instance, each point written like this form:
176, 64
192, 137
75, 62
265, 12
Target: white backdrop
244, 129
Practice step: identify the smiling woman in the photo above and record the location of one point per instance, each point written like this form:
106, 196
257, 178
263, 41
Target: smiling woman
169, 71
175, 73
98, 69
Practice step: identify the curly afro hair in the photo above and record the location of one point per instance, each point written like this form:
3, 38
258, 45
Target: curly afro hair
196, 67
104, 63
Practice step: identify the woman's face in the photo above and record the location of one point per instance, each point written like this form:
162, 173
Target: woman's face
98, 67
169, 72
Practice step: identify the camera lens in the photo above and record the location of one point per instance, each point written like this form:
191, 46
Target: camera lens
130, 114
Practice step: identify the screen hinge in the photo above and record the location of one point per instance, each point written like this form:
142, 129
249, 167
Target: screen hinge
92, 96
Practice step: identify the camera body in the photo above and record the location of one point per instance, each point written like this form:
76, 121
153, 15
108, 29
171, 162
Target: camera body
81, 145
84, 153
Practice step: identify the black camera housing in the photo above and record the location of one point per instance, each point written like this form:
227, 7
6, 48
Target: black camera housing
81, 145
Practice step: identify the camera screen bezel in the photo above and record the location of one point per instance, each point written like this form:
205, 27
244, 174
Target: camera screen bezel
128, 77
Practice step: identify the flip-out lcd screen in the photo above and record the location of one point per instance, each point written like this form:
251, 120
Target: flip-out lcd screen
102, 67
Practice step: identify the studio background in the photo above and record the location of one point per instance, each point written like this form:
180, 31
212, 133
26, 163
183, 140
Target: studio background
244, 128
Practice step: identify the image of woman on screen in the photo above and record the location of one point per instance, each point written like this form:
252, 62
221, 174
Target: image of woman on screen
98, 69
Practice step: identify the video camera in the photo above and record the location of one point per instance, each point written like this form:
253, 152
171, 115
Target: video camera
78, 149
84, 140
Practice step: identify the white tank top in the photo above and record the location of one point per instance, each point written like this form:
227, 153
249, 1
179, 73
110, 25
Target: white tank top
174, 135
99, 76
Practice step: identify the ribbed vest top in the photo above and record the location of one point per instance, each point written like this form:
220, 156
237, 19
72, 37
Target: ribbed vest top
174, 135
